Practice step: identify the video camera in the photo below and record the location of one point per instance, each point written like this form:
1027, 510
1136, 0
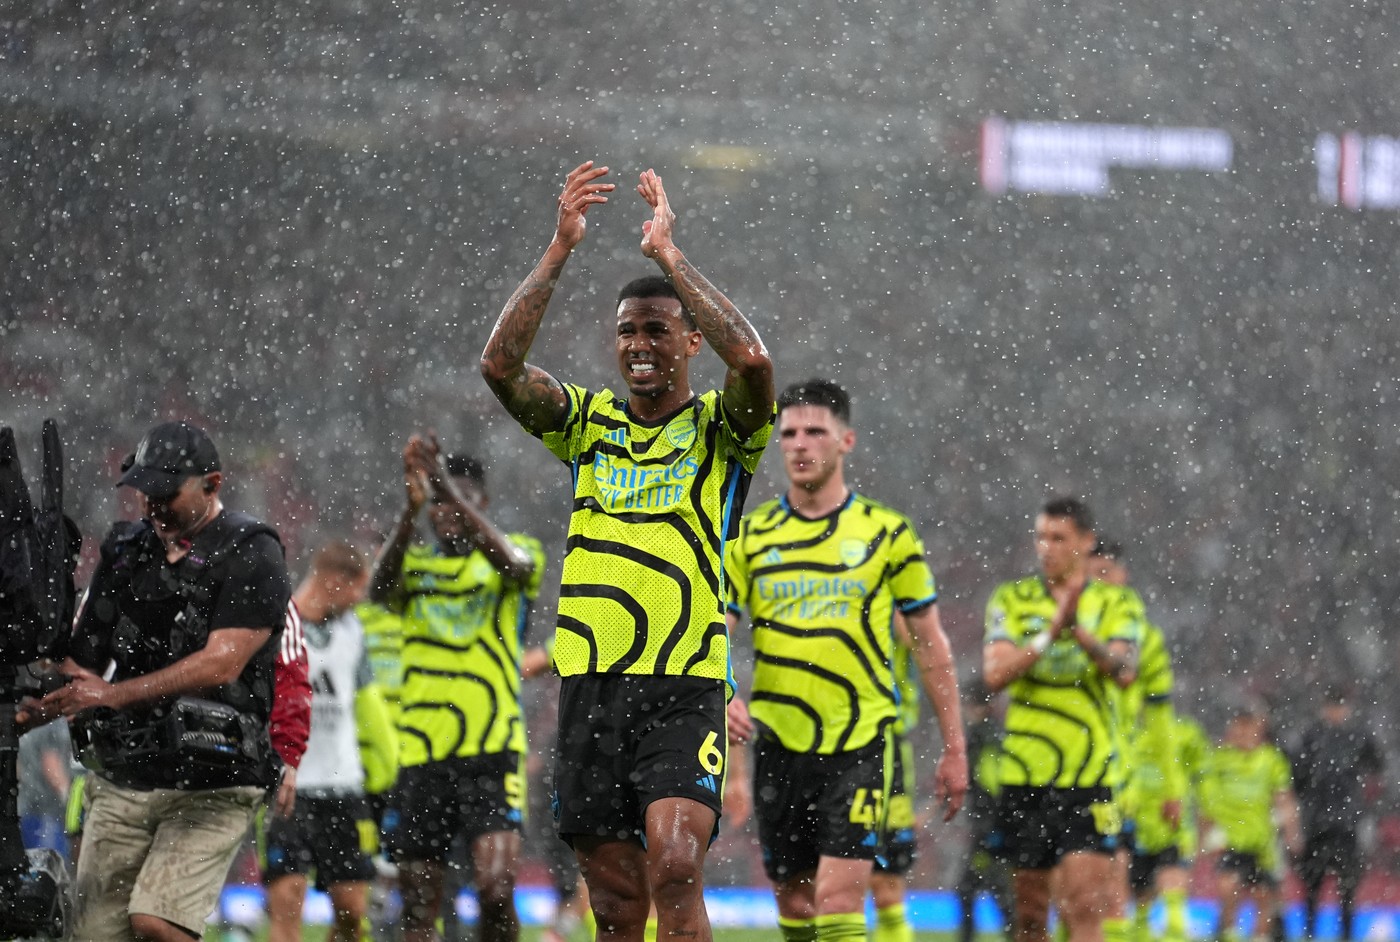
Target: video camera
38, 555
197, 734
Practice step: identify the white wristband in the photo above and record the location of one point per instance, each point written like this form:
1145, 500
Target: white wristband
1040, 642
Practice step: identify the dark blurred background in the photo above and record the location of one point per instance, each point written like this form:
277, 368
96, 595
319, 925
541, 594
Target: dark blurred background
295, 223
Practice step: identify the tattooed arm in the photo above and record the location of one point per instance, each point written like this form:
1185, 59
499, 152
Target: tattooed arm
748, 385
534, 397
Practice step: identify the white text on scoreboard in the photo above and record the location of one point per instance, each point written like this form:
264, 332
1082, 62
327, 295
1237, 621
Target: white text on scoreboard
1069, 158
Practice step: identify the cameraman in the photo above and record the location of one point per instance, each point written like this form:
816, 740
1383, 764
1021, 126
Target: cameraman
188, 602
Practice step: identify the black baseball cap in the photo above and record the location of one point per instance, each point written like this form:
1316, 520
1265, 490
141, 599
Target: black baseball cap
170, 452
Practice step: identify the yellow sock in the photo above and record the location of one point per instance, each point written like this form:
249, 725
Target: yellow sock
797, 930
1175, 903
840, 927
1116, 930
650, 934
892, 924
1142, 929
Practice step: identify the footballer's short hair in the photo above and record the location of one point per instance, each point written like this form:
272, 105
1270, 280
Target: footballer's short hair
1073, 508
817, 392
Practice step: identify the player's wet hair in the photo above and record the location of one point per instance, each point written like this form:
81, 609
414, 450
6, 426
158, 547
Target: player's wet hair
465, 466
817, 392
655, 286
340, 558
1073, 508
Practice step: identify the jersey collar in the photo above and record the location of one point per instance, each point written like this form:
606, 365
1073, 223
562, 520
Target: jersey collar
787, 506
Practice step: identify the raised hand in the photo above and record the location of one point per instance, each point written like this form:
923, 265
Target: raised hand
417, 466
657, 231
581, 191
1068, 611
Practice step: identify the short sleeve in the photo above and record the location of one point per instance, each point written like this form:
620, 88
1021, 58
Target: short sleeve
996, 624
748, 450
736, 569
1124, 618
566, 443
911, 580
255, 587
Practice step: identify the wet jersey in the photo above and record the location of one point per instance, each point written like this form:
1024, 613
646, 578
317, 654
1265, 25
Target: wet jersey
1153, 773
1061, 715
821, 596
463, 631
643, 579
1237, 792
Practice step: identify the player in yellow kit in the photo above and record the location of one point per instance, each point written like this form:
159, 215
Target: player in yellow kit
465, 602
1059, 643
821, 572
658, 479
1247, 803
1161, 836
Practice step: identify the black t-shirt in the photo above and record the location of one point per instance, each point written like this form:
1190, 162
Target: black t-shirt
1327, 774
245, 585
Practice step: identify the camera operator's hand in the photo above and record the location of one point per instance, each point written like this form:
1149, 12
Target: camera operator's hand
31, 714
85, 690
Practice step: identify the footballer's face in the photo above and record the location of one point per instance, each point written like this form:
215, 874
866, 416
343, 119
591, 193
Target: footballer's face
1060, 546
654, 346
814, 444
448, 524
1246, 732
345, 591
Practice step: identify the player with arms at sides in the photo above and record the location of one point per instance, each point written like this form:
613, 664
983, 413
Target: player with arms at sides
822, 572
465, 601
330, 831
659, 478
1246, 801
1059, 644
1162, 841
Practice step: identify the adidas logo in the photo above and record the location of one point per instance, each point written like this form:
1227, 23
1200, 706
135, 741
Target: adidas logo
772, 557
708, 782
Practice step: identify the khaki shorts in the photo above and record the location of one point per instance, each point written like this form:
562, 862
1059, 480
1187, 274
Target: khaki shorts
163, 853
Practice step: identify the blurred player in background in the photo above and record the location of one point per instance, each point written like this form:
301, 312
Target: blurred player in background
1154, 790
1246, 787
465, 602
330, 832
1058, 643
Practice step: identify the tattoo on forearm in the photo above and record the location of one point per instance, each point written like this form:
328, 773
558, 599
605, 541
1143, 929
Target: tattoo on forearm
519, 322
727, 330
